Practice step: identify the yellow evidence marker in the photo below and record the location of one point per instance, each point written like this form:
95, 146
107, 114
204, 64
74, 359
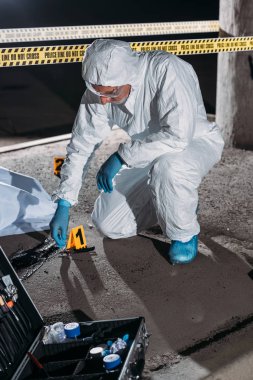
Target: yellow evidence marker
77, 238
58, 162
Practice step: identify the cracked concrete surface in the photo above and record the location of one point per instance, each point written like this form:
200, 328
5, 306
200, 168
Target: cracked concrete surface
182, 305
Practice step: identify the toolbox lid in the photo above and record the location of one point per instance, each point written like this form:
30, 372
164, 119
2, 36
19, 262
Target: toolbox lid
19, 326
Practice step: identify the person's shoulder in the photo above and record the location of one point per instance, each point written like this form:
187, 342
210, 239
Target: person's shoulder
160, 61
158, 56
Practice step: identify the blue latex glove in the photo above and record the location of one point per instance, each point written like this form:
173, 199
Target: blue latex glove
108, 171
59, 223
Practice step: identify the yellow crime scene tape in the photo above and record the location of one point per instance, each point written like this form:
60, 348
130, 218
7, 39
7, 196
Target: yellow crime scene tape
40, 55
100, 31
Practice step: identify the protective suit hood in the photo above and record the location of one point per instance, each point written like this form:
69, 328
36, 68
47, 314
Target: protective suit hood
110, 63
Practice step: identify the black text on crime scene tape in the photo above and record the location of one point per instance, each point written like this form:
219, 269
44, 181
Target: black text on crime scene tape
20, 56
37, 56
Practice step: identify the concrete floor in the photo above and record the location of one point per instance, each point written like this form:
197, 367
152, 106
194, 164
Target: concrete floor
200, 315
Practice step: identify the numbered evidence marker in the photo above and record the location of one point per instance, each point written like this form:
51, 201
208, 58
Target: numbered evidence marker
77, 238
58, 161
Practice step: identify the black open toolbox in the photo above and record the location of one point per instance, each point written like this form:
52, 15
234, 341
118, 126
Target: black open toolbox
22, 330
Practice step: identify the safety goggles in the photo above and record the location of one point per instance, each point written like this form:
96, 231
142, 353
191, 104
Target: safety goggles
114, 94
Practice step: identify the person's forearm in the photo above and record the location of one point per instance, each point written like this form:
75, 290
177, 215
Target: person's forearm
138, 152
71, 179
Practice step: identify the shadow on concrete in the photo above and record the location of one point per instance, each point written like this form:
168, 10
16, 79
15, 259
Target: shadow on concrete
186, 303
89, 272
250, 274
74, 289
22, 241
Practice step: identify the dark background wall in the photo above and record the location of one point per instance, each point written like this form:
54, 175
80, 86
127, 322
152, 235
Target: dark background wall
43, 100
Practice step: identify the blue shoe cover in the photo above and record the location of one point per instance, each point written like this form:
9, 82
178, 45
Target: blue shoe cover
183, 253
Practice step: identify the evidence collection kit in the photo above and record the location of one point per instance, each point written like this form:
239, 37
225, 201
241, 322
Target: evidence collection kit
93, 350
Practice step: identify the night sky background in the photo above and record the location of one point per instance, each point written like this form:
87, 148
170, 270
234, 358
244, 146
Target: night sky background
43, 100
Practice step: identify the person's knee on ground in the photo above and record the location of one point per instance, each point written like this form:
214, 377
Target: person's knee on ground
101, 226
111, 227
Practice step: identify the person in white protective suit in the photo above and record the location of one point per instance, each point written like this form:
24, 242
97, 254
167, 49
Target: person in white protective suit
155, 97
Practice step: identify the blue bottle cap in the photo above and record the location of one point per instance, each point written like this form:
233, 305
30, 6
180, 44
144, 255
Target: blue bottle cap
126, 338
111, 361
72, 330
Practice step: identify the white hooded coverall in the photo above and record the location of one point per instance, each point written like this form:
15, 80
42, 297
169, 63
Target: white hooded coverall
172, 147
